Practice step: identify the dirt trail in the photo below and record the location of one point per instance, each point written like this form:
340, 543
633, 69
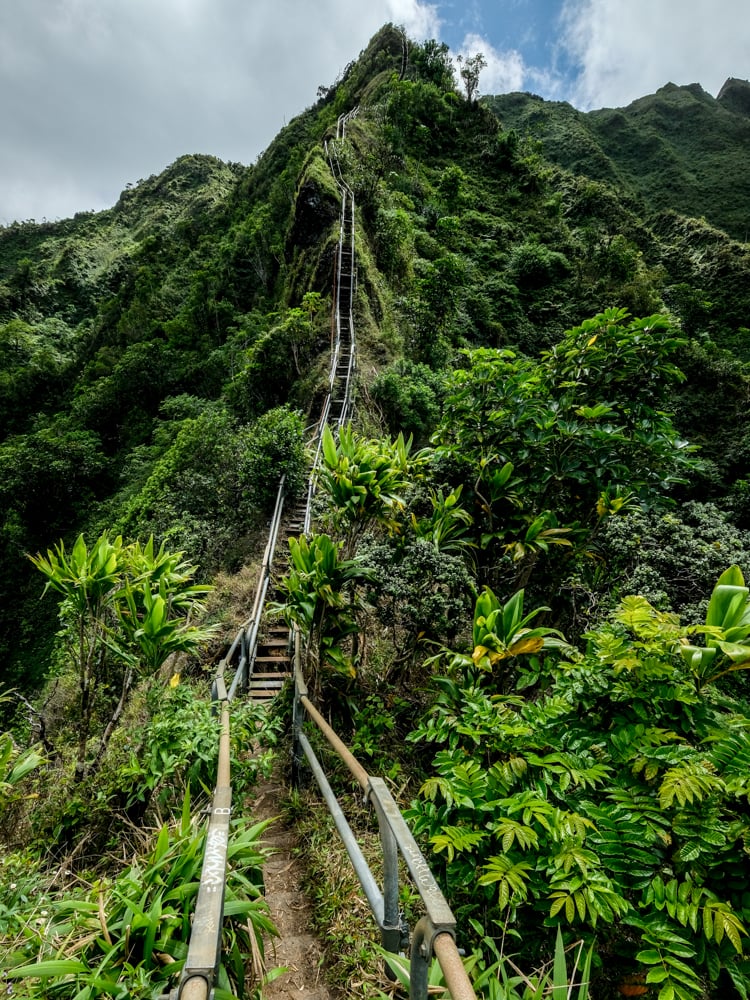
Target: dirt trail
297, 948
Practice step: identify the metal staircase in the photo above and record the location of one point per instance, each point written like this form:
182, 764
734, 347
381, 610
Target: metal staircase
272, 660
273, 665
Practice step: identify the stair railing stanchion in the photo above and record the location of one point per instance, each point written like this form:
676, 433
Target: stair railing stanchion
298, 712
419, 960
391, 933
243, 661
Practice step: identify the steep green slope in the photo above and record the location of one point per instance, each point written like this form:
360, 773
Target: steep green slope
159, 363
178, 316
677, 149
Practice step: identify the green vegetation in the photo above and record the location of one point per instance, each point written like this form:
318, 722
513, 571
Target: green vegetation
510, 599
127, 601
676, 149
602, 790
129, 933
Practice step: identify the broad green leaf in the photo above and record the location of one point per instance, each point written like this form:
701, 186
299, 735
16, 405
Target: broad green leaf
648, 956
48, 969
559, 970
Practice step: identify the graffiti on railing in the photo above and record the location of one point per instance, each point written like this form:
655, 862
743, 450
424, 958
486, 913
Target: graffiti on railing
214, 864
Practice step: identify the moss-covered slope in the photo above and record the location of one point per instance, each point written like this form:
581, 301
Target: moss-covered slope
677, 149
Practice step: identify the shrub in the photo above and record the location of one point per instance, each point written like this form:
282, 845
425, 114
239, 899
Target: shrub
672, 557
409, 395
611, 799
533, 265
273, 447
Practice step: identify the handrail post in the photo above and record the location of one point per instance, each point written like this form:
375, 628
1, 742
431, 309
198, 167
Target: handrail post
429, 941
390, 932
243, 659
298, 712
419, 961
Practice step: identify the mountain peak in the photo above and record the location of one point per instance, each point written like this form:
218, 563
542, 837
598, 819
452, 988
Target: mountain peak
735, 96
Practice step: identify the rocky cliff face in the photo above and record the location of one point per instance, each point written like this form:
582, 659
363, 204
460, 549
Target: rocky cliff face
735, 96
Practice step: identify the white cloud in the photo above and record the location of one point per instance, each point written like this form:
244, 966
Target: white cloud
627, 48
97, 93
419, 20
505, 71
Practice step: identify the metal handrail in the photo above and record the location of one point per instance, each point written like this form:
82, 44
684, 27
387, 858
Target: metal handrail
204, 950
244, 671
346, 233
434, 934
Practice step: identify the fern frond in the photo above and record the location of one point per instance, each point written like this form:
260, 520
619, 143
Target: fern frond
510, 831
689, 782
454, 839
510, 877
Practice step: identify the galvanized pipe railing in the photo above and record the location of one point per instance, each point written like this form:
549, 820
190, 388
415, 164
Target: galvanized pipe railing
248, 635
434, 934
347, 234
346, 237
204, 950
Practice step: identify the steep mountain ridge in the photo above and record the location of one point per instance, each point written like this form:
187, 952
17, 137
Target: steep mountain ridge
125, 332
678, 149
557, 345
735, 95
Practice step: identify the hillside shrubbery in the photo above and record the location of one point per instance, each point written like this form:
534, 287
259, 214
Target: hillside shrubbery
157, 363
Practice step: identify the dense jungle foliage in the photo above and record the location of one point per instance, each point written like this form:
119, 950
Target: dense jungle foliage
678, 149
525, 592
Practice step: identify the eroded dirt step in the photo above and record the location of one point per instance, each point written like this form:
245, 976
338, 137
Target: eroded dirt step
297, 949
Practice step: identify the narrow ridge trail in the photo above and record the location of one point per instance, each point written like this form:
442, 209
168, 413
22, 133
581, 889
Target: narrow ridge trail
297, 948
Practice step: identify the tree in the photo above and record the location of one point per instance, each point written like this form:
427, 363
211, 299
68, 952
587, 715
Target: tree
549, 448
469, 69
121, 602
433, 64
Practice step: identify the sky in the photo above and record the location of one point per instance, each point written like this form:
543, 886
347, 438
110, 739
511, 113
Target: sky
97, 94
